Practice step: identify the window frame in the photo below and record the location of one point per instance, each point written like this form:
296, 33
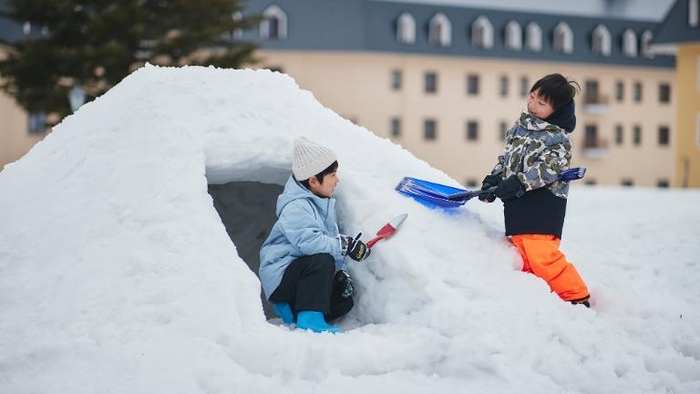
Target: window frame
395, 127
472, 131
563, 39
430, 85
664, 135
482, 33
430, 133
514, 36
533, 37
406, 29
629, 43
440, 30
601, 41
473, 88
273, 12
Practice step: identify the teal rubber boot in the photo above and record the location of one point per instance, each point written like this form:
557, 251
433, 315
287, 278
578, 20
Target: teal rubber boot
284, 311
314, 321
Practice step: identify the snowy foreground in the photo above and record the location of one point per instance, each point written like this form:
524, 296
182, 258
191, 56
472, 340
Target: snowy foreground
117, 274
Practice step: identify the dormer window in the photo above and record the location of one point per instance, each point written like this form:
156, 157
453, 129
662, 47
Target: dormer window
237, 33
563, 39
533, 34
647, 36
514, 36
274, 26
406, 29
602, 43
482, 33
440, 30
693, 13
629, 43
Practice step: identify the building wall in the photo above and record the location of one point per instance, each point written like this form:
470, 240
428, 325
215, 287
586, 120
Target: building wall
15, 138
688, 115
357, 86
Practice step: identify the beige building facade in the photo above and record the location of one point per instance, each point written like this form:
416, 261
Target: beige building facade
17, 136
452, 112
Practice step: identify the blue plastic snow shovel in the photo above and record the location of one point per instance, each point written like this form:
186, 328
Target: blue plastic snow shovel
437, 195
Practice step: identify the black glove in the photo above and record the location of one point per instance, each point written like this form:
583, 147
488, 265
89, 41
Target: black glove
510, 188
356, 249
343, 284
489, 182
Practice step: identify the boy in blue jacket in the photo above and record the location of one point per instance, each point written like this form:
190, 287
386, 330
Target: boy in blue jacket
302, 262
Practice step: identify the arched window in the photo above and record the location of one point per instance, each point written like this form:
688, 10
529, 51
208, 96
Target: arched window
563, 39
237, 33
629, 43
514, 36
647, 36
274, 26
406, 29
602, 43
440, 32
482, 33
533, 37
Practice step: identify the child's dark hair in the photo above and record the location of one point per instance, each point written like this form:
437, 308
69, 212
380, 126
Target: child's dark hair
330, 169
556, 89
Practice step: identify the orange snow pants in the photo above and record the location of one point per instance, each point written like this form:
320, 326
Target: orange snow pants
541, 256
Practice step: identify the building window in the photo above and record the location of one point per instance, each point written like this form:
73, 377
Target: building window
37, 123
619, 91
430, 82
503, 86
694, 13
637, 92
514, 36
627, 182
396, 79
237, 17
395, 127
472, 130
637, 135
629, 43
619, 135
533, 37
472, 84
662, 183
524, 87
664, 136
664, 93
503, 130
591, 92
482, 33
647, 52
563, 39
440, 30
406, 29
590, 137
430, 129
602, 43
274, 24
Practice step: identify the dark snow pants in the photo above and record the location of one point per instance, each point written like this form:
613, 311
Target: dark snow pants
307, 285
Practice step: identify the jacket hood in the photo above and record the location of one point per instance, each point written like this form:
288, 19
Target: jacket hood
564, 117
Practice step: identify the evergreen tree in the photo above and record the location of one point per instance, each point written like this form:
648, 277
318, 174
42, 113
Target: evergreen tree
98, 42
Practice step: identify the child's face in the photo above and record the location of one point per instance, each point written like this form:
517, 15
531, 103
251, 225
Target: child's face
325, 189
538, 106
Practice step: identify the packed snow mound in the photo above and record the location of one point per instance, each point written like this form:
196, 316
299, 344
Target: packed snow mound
117, 274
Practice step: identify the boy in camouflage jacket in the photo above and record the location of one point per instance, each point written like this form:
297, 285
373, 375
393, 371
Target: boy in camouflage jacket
537, 150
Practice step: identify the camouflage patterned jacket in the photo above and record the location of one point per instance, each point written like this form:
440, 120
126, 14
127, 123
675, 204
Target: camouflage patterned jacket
536, 152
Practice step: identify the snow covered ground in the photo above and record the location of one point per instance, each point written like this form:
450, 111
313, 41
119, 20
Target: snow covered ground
117, 274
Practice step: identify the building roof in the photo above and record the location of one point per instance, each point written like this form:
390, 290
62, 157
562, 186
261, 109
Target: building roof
675, 28
370, 25
640, 10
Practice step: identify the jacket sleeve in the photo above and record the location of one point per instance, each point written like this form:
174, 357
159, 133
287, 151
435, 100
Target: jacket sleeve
298, 223
548, 164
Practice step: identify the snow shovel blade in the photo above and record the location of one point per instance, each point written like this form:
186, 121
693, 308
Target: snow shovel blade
388, 230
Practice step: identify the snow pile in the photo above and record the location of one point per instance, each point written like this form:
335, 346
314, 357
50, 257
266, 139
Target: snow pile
117, 274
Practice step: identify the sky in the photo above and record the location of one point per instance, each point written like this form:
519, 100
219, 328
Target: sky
653, 10
120, 272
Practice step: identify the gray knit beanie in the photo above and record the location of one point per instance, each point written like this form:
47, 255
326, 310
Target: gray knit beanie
310, 159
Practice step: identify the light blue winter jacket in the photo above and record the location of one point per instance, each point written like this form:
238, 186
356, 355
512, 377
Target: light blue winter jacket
306, 225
